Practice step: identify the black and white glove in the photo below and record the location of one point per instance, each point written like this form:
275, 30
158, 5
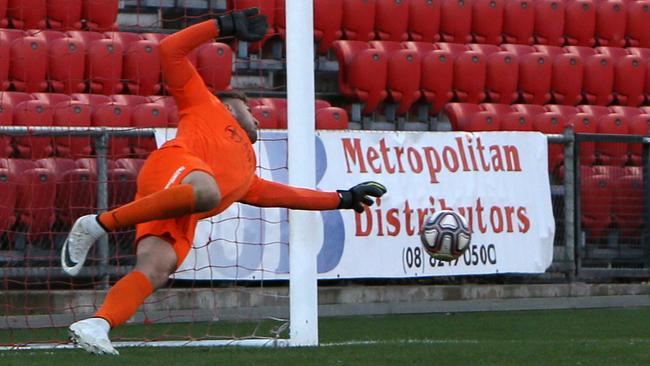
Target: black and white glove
357, 197
245, 25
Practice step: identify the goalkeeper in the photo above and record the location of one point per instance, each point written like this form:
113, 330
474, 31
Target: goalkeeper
207, 167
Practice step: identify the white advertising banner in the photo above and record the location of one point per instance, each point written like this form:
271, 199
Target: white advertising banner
497, 180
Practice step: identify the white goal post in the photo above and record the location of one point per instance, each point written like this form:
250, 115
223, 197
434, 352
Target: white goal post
303, 294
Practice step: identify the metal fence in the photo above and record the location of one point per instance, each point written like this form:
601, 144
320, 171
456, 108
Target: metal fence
600, 202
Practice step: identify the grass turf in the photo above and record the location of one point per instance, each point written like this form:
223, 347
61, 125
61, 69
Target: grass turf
557, 337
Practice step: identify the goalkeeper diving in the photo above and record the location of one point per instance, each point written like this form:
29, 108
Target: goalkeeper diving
208, 166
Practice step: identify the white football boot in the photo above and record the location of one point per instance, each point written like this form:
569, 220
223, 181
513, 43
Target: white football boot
84, 233
92, 335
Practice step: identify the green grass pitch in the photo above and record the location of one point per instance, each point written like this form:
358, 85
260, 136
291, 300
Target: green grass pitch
612, 337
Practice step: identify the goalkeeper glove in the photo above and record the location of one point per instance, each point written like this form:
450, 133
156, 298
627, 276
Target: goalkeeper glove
357, 196
244, 25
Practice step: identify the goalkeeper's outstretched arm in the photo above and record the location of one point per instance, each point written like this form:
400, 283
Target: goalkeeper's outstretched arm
182, 79
264, 193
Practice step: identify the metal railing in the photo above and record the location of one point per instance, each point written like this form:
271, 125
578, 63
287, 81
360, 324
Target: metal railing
571, 250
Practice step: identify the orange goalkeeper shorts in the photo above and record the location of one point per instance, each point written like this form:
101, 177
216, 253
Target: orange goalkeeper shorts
166, 168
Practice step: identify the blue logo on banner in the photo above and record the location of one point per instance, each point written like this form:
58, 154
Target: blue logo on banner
333, 228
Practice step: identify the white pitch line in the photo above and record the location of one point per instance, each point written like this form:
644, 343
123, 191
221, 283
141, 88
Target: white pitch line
478, 341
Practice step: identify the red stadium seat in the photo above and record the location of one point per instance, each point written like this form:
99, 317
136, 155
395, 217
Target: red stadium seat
627, 204
487, 21
35, 196
113, 115
28, 64
421, 47
568, 73
585, 123
535, 77
64, 14
328, 19
640, 126
33, 113
598, 81
170, 106
580, 23
13, 98
76, 189
331, 118
121, 181
519, 22
130, 100
484, 121
470, 68
11, 34
86, 37
320, 104
629, 76
8, 182
594, 110
612, 153
132, 165
567, 111
142, 67
455, 49
100, 15
456, 21
3, 14
66, 65
437, 79
27, 14
214, 63
46, 34
359, 19
149, 115
391, 20
486, 49
547, 122
502, 77
155, 37
104, 66
549, 22
628, 112
518, 49
72, 114
644, 53
403, 78
510, 119
362, 73
6, 119
461, 114
4, 64
279, 105
611, 16
266, 115
424, 20
124, 38
92, 99
581, 51
637, 29
596, 194
52, 98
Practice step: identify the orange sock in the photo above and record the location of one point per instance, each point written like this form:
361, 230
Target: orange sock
166, 204
124, 298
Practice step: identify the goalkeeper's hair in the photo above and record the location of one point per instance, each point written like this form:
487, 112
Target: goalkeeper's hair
231, 94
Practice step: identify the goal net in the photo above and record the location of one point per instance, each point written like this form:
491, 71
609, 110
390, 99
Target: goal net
73, 143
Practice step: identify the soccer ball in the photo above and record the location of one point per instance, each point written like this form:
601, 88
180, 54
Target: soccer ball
445, 235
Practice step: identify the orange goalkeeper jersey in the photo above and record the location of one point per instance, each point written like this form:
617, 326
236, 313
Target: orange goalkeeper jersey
208, 130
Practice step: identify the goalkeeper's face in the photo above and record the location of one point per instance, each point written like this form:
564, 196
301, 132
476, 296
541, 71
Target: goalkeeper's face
242, 113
